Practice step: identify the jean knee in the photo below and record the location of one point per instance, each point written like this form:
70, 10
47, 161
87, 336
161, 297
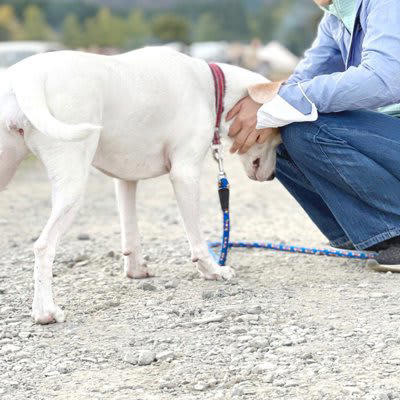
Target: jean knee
298, 137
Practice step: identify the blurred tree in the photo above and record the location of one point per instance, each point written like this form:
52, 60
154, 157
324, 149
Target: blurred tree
137, 30
171, 28
72, 32
9, 26
207, 28
34, 25
232, 16
264, 24
105, 30
57, 11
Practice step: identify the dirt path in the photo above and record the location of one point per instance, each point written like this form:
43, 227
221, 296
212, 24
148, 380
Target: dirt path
288, 327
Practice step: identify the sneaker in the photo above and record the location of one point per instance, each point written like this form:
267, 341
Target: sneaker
379, 247
387, 260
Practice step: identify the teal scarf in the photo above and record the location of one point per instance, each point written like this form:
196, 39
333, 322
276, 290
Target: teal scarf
345, 10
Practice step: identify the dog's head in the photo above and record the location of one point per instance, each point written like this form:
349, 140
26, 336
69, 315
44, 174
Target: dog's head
13, 126
260, 161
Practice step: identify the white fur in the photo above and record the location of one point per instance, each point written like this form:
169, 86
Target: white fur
134, 116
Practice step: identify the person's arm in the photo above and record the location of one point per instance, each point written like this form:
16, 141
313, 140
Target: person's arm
323, 57
374, 83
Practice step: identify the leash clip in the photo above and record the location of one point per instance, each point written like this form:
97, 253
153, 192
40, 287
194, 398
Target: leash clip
217, 152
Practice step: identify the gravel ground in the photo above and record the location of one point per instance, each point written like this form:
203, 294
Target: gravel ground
287, 327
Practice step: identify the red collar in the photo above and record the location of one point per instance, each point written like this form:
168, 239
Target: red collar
219, 85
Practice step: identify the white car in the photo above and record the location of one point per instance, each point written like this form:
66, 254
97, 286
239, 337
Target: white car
12, 52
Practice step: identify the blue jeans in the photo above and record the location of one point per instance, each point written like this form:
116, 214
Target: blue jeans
344, 170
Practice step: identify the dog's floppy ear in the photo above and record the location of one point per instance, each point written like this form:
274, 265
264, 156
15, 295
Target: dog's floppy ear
264, 92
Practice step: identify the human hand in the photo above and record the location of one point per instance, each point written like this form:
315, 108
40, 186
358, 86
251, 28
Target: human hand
243, 129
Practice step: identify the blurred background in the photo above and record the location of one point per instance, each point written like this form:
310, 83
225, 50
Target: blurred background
267, 36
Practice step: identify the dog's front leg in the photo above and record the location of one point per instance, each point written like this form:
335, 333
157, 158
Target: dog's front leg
185, 180
134, 265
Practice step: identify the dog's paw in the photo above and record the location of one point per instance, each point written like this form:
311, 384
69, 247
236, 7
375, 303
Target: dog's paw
227, 273
44, 315
141, 272
219, 274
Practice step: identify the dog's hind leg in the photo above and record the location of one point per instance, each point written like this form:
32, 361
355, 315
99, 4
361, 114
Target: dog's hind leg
185, 179
67, 165
134, 265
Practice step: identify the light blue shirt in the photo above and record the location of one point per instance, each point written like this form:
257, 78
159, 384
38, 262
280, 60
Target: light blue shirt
351, 69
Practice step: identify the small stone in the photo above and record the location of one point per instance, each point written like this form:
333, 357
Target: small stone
291, 383
24, 335
147, 286
268, 378
237, 330
254, 310
259, 343
167, 384
165, 356
130, 357
377, 295
9, 348
83, 236
237, 391
265, 366
3, 290
146, 357
214, 318
173, 284
200, 387
64, 368
111, 254
207, 294
80, 258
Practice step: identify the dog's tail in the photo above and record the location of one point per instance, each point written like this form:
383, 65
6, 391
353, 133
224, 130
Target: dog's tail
29, 90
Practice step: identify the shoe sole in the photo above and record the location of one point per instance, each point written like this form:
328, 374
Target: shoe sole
373, 264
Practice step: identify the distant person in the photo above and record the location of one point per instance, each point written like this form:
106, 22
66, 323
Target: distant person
340, 158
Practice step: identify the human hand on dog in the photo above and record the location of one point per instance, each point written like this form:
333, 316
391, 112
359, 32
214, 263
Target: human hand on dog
243, 129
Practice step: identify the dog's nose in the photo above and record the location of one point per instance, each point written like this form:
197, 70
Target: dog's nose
256, 164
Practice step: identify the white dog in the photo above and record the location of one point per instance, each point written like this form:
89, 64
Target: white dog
135, 116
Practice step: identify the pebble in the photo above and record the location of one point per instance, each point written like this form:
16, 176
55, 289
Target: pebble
24, 335
173, 284
207, 294
146, 357
9, 348
265, 366
214, 318
165, 356
200, 386
83, 236
131, 357
147, 286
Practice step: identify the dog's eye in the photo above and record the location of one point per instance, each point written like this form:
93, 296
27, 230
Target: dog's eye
256, 163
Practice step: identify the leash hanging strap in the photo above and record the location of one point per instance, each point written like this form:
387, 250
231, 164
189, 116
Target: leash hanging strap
223, 191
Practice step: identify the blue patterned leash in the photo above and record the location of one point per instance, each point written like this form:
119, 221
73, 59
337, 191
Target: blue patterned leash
225, 245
